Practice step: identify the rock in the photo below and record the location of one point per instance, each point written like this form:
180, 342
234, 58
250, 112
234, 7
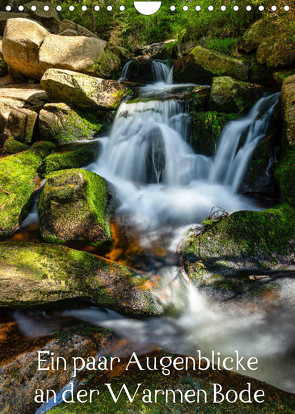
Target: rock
123, 54
42, 148
229, 95
18, 183
260, 74
108, 65
68, 25
257, 34
4, 16
60, 124
72, 159
140, 71
201, 65
50, 18
280, 75
285, 175
245, 241
276, 53
40, 273
20, 124
184, 382
83, 91
77, 53
3, 66
206, 128
19, 370
163, 50
288, 109
75, 205
11, 146
21, 42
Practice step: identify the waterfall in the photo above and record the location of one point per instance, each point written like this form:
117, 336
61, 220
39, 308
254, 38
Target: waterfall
124, 71
162, 72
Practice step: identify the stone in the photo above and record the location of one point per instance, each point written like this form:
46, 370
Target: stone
230, 95
19, 182
108, 65
50, 18
83, 91
11, 146
42, 149
258, 32
21, 42
4, 16
77, 53
285, 175
288, 109
3, 65
202, 64
68, 25
40, 273
20, 124
60, 124
75, 205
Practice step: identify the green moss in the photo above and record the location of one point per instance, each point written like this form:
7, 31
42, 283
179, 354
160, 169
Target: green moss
72, 159
18, 182
225, 45
109, 65
285, 175
11, 146
206, 128
42, 148
3, 67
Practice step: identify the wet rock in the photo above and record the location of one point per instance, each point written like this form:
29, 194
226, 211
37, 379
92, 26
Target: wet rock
42, 148
49, 19
202, 64
60, 124
83, 91
285, 175
288, 108
75, 205
20, 124
245, 241
77, 53
40, 273
21, 42
184, 381
11, 146
18, 182
72, 159
230, 95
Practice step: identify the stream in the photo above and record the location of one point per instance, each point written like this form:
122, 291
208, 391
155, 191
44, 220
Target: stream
164, 189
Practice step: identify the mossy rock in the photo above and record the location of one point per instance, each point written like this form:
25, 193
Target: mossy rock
61, 124
42, 148
276, 401
202, 64
3, 67
230, 95
285, 175
11, 146
260, 74
18, 183
206, 128
109, 65
72, 159
34, 274
75, 205
288, 110
240, 244
257, 34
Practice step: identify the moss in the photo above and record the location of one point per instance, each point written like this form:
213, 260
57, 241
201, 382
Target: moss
11, 146
205, 130
246, 241
39, 273
3, 67
281, 75
18, 182
285, 175
109, 65
72, 159
42, 148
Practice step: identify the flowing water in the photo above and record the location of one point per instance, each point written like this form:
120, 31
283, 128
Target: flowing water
164, 188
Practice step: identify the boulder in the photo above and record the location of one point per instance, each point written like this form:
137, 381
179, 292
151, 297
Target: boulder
257, 34
83, 91
39, 273
72, 159
276, 53
163, 50
11, 146
157, 388
202, 64
69, 26
77, 53
285, 175
243, 243
230, 95
3, 66
49, 19
21, 42
205, 129
108, 65
123, 54
20, 124
42, 148
288, 108
75, 205
18, 183
4, 16
60, 124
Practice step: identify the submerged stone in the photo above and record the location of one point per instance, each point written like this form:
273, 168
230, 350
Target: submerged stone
75, 205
